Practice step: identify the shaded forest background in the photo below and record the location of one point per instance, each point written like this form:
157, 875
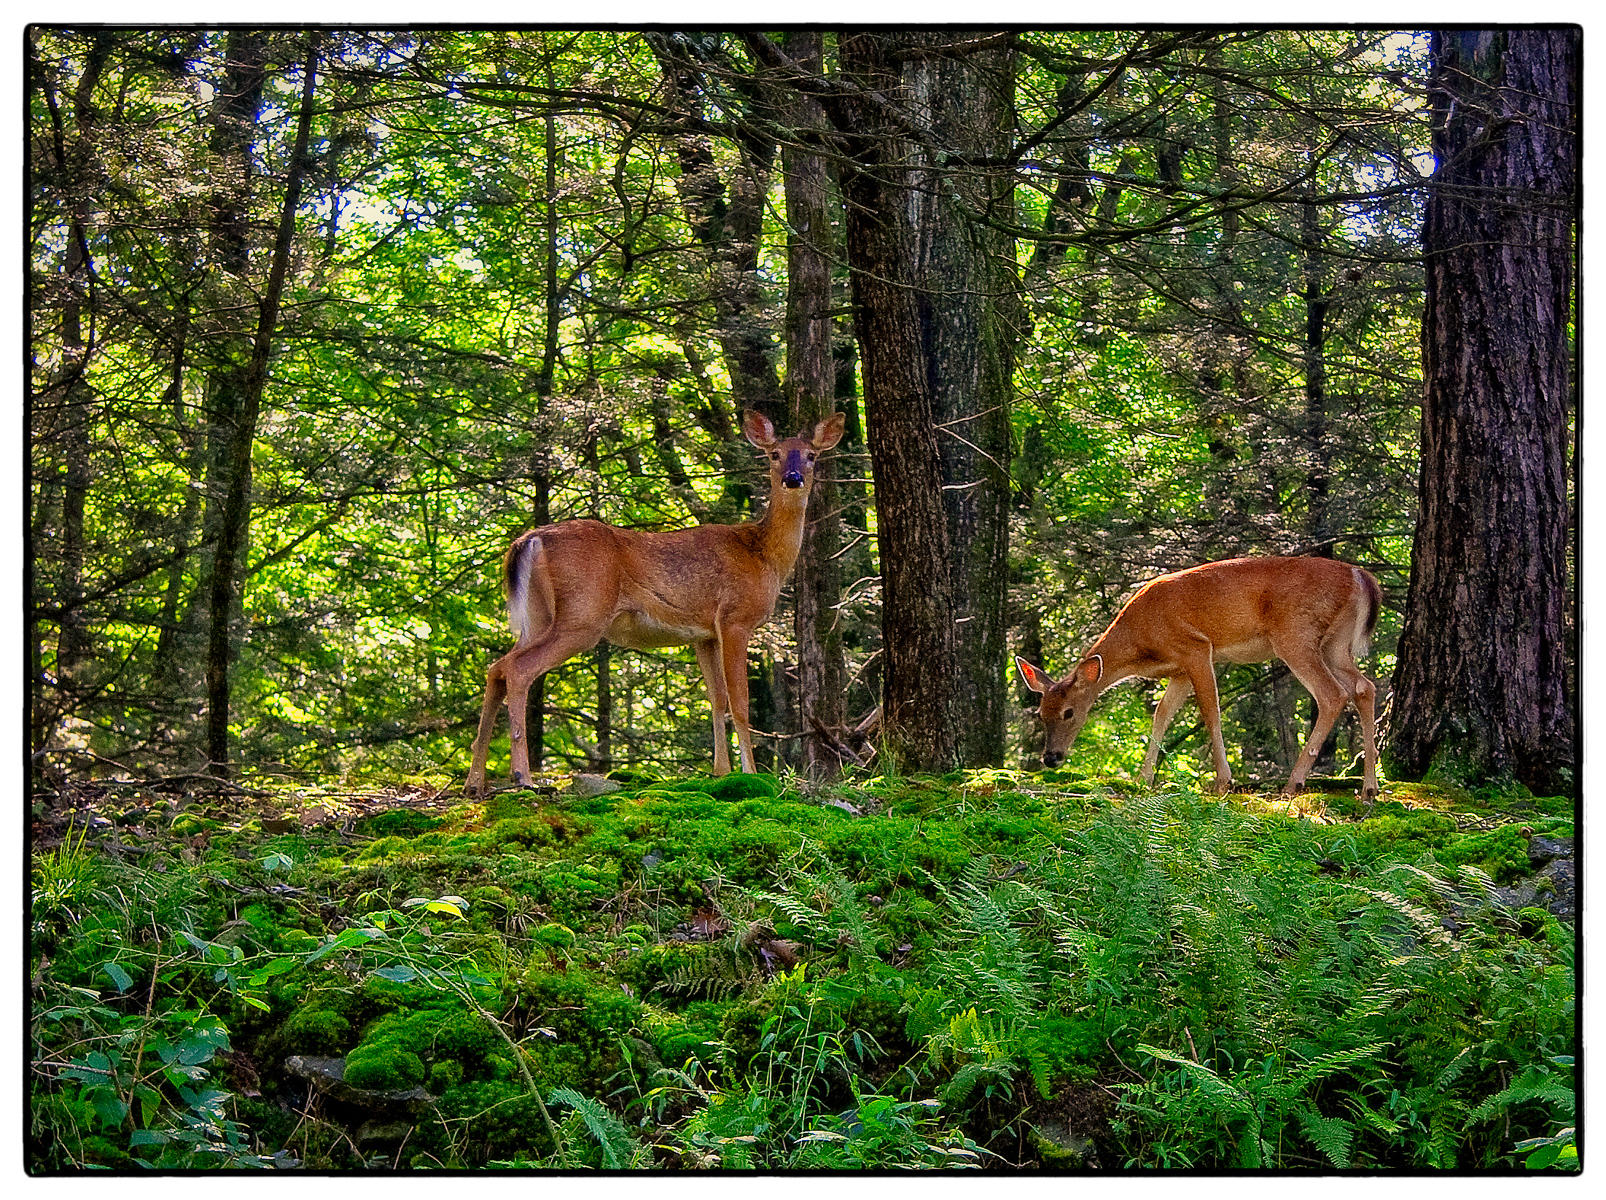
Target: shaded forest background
319, 320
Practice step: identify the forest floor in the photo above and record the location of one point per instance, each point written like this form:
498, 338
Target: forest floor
989, 969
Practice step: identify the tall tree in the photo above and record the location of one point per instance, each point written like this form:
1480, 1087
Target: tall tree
1481, 687
241, 384
967, 83
890, 203
811, 385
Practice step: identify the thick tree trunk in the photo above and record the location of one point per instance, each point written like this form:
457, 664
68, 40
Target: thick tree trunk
1480, 690
967, 83
889, 203
811, 382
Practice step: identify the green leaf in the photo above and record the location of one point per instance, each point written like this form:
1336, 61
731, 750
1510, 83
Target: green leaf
120, 978
109, 1107
401, 974
1543, 1157
147, 1137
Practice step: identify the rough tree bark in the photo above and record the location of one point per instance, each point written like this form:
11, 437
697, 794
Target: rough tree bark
811, 384
1481, 688
889, 205
967, 83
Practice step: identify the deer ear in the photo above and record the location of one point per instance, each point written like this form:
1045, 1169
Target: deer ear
1035, 680
829, 431
1091, 670
758, 429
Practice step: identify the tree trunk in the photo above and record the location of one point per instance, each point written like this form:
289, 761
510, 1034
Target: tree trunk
889, 208
1480, 690
811, 381
246, 388
968, 81
540, 465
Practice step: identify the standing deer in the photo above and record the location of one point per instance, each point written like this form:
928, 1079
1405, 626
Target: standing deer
1316, 614
572, 584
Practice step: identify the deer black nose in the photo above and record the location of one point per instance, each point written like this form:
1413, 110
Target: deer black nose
793, 479
1053, 758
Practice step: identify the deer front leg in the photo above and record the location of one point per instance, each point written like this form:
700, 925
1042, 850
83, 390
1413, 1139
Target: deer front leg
733, 650
1177, 691
708, 658
1202, 676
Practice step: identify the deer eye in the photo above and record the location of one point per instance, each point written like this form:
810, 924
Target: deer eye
811, 458
775, 458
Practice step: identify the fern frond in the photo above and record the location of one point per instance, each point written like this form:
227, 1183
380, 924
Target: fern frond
1333, 1136
1534, 1085
619, 1149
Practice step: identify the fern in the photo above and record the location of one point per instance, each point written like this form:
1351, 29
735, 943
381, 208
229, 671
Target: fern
619, 1149
1331, 1135
1534, 1085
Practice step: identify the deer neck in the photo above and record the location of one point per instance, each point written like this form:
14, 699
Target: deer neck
781, 528
1115, 648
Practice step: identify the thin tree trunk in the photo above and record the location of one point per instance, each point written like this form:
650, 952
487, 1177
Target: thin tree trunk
77, 397
540, 465
1480, 689
234, 526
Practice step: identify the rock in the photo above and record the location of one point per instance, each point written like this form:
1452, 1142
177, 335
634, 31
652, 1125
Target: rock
1545, 849
328, 1078
1562, 899
1553, 888
594, 785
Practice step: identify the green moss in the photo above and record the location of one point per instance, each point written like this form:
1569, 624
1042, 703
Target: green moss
385, 847
490, 1119
384, 1067
743, 787
405, 1047
316, 1030
509, 805
397, 822
584, 1020
1502, 853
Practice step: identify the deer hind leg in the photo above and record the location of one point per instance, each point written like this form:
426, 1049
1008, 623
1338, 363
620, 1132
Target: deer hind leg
733, 652
1202, 675
1177, 691
495, 692
1311, 668
1363, 693
708, 658
524, 667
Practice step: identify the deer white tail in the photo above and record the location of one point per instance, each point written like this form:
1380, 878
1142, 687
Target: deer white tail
1365, 613
531, 605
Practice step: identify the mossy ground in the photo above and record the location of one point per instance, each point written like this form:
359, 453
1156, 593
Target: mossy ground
985, 968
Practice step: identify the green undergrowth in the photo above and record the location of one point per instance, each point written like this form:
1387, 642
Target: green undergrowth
982, 969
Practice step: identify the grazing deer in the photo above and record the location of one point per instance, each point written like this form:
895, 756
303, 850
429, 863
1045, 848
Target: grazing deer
572, 584
1316, 614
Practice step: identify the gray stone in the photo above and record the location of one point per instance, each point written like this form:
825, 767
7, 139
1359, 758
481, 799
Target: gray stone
1545, 849
594, 785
